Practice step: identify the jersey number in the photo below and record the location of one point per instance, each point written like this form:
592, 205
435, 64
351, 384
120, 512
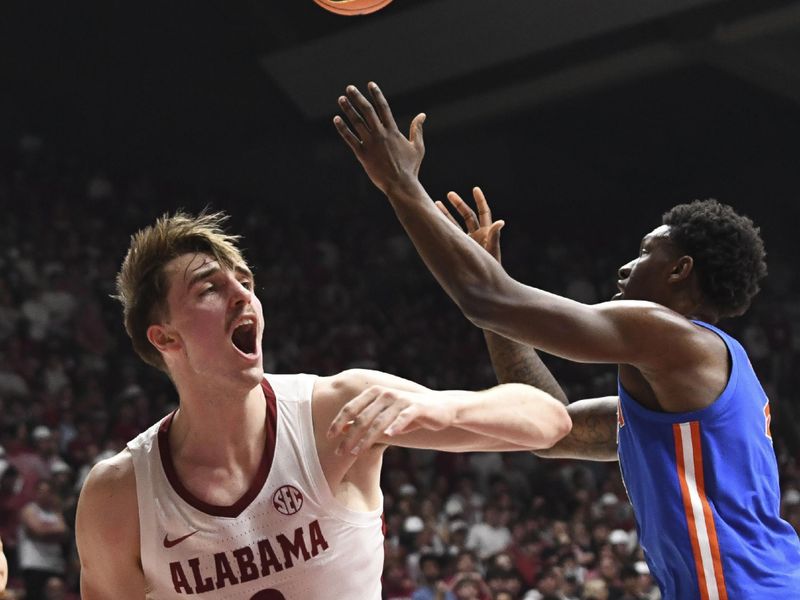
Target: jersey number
268, 595
768, 420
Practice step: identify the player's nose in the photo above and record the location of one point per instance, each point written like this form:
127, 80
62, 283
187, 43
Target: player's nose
242, 294
625, 270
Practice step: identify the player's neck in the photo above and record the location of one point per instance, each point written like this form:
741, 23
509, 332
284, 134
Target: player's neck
691, 304
219, 427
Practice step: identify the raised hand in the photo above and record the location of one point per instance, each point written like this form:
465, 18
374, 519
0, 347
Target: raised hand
383, 411
389, 158
480, 227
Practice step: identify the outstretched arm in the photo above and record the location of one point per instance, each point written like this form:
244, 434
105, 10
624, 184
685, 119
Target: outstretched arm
518, 363
594, 432
622, 332
512, 361
384, 409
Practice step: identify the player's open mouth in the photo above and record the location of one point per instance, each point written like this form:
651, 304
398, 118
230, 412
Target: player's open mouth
244, 337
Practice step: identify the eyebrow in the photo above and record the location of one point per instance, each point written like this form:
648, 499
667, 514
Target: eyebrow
212, 269
202, 273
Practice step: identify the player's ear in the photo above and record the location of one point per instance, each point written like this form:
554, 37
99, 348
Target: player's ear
682, 268
162, 338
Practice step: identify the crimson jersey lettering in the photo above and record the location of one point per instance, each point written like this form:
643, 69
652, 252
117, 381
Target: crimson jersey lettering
291, 550
288, 500
288, 537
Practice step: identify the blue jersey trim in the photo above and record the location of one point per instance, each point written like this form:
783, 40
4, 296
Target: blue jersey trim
695, 415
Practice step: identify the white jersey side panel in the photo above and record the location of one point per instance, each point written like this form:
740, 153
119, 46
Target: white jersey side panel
293, 541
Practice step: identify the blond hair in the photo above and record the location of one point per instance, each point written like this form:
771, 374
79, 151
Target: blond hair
142, 286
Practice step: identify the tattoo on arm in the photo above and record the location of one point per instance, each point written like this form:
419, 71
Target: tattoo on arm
517, 363
594, 432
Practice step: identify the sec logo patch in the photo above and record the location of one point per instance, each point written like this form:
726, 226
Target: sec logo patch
287, 500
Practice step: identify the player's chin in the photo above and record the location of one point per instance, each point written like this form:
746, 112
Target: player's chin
252, 375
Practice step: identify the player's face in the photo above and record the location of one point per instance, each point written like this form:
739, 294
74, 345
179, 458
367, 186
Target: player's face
215, 319
646, 276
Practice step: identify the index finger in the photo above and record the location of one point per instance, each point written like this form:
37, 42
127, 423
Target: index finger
343, 420
463, 209
381, 105
364, 107
484, 212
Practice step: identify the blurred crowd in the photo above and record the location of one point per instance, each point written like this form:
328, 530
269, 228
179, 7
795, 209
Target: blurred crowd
342, 288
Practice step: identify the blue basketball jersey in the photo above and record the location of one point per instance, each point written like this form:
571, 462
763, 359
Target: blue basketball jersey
704, 488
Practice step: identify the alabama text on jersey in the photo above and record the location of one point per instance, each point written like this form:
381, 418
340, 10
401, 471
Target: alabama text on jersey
287, 538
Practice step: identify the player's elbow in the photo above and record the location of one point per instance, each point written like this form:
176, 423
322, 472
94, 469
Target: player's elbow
480, 303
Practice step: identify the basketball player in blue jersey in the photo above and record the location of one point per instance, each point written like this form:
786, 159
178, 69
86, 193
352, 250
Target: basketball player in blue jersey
690, 425
259, 487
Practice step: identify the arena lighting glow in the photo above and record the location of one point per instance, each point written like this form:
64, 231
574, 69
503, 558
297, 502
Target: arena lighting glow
352, 7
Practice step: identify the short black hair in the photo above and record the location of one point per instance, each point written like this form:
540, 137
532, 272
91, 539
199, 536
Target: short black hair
727, 249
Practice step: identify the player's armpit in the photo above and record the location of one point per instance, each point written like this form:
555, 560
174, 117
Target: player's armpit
107, 532
594, 432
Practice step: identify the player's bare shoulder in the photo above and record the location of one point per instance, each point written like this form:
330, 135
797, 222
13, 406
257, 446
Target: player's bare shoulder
108, 505
343, 385
330, 394
107, 532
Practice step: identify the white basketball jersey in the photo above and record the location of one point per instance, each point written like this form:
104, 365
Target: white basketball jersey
287, 538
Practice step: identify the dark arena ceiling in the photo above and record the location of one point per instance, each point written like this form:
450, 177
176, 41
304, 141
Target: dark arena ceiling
575, 102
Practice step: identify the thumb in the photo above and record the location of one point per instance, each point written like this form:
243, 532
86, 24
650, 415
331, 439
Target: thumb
494, 232
415, 133
493, 239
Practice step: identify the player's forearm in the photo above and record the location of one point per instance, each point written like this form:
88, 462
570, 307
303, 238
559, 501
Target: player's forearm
514, 362
593, 435
459, 264
491, 299
513, 412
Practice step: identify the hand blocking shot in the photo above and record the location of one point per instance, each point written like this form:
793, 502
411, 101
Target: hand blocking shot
260, 487
690, 424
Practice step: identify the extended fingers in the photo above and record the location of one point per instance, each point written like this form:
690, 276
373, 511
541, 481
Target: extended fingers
348, 136
469, 216
484, 212
365, 415
405, 422
381, 105
354, 116
344, 419
364, 107
371, 434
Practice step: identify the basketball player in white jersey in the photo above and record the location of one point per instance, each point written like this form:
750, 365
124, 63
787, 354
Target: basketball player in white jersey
260, 487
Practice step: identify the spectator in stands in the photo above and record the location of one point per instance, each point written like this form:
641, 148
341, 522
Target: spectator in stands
549, 586
491, 535
41, 536
379, 324
432, 586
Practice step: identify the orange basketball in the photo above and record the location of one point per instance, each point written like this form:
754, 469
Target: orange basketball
352, 7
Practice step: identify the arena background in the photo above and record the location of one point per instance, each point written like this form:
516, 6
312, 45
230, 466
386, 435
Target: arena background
582, 121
